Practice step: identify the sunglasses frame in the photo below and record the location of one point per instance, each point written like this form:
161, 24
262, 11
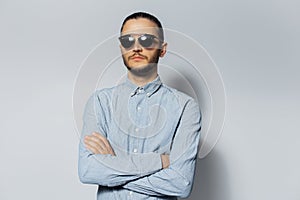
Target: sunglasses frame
139, 39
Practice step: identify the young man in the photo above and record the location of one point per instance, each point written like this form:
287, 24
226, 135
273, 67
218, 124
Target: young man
140, 138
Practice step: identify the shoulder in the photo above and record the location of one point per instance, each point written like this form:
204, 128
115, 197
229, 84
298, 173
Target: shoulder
105, 93
190, 106
182, 98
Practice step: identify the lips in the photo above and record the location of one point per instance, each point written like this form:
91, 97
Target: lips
137, 58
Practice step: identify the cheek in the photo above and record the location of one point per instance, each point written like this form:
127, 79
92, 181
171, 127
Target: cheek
156, 54
125, 54
124, 51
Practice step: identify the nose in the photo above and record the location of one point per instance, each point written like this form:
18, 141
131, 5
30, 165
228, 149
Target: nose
137, 47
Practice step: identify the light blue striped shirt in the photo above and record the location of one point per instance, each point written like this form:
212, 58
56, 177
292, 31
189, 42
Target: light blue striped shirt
141, 123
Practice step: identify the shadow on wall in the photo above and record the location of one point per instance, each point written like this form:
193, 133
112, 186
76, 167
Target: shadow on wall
211, 179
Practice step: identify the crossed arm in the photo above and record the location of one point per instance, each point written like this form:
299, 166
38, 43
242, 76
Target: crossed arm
150, 173
98, 144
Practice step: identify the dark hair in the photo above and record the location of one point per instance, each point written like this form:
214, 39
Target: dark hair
146, 16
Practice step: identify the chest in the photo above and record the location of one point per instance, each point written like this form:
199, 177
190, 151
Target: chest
143, 124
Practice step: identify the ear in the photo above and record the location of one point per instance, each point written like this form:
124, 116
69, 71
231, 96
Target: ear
163, 50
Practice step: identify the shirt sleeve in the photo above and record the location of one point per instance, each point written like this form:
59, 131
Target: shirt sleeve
176, 180
108, 170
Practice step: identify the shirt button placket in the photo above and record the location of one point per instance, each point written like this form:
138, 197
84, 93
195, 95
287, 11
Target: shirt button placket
135, 149
130, 194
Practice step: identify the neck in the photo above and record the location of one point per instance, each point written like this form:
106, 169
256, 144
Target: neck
141, 80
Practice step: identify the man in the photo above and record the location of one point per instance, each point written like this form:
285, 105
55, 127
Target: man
140, 138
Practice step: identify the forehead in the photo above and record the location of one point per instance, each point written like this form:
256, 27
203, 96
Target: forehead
140, 26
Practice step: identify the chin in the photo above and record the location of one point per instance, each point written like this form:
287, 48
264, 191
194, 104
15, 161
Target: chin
136, 67
137, 64
140, 69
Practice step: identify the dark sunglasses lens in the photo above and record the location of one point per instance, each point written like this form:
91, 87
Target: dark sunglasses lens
146, 40
127, 41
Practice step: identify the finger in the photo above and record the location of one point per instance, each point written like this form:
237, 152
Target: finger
112, 152
91, 142
97, 150
98, 135
94, 139
98, 141
92, 149
103, 139
99, 145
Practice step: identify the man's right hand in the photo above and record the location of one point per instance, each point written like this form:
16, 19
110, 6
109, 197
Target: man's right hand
98, 144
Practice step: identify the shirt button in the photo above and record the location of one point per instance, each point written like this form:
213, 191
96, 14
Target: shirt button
135, 150
130, 193
148, 94
136, 130
139, 108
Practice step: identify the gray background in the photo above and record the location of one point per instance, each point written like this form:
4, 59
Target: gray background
254, 44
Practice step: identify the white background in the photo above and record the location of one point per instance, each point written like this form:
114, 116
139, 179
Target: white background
254, 43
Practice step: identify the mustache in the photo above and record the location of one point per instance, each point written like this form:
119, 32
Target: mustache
137, 54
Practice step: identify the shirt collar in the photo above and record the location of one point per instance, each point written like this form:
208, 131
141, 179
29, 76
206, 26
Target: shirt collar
150, 88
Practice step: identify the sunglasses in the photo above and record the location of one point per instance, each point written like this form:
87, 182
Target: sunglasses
145, 40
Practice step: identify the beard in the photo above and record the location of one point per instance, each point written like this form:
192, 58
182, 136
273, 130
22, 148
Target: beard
143, 70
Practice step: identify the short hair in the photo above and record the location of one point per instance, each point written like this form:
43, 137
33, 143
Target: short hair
146, 16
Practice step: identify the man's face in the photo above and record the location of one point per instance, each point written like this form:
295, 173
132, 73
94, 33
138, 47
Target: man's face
138, 58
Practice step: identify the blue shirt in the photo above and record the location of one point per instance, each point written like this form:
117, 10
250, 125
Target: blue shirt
141, 123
